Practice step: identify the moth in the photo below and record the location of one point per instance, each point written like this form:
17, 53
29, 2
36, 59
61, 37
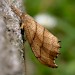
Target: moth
44, 44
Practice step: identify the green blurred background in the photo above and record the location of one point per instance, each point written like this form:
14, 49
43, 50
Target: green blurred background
64, 12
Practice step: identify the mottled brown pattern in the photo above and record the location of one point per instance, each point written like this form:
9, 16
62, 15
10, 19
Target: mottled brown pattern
34, 34
45, 45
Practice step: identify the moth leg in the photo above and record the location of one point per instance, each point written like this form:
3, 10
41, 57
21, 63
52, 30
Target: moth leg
22, 31
21, 25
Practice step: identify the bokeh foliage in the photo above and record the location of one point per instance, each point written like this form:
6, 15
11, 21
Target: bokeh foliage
64, 11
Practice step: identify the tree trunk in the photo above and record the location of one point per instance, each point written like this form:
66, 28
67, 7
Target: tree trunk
11, 60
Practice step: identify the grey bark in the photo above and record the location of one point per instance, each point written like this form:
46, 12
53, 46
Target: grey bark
11, 60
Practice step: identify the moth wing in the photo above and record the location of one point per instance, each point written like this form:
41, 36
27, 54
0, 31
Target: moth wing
50, 49
44, 44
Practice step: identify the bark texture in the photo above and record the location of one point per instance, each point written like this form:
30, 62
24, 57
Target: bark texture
11, 60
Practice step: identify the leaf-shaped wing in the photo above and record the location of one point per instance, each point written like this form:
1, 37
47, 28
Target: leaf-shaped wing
44, 44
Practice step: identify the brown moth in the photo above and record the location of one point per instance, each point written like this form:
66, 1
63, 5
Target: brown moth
45, 45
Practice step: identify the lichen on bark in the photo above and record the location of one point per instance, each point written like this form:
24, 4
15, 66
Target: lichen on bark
11, 60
